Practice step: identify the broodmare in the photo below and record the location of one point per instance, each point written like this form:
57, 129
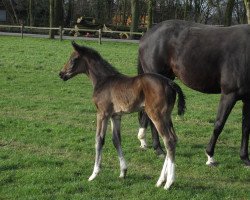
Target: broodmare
115, 94
208, 59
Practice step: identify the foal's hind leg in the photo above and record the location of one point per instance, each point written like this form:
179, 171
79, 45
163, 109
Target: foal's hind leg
116, 124
100, 139
169, 137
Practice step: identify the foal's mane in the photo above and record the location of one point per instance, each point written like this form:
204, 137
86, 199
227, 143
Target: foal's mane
101, 67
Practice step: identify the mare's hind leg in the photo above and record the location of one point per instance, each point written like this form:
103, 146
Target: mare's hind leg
143, 121
245, 132
156, 140
225, 106
100, 139
116, 124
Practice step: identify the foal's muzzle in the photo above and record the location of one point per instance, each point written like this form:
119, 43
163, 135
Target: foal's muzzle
63, 76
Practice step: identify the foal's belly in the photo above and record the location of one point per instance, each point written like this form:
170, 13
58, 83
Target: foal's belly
124, 108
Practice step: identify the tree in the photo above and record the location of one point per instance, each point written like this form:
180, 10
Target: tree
51, 19
69, 13
135, 16
31, 16
150, 13
229, 11
58, 13
197, 10
247, 4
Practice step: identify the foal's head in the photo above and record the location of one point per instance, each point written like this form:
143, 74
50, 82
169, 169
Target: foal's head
78, 62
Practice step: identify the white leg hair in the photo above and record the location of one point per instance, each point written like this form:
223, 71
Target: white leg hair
100, 137
115, 125
95, 171
210, 160
142, 137
163, 176
170, 174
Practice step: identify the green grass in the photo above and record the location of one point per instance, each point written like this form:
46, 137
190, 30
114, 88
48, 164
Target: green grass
47, 134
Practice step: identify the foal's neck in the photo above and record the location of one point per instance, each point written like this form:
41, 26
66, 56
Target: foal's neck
100, 71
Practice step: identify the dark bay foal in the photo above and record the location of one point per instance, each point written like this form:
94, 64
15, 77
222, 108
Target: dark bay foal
115, 94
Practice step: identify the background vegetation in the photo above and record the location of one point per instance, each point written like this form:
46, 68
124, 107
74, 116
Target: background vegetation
120, 12
47, 131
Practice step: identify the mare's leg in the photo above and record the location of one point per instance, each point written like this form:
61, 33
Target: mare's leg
245, 132
156, 141
116, 124
225, 106
143, 122
100, 139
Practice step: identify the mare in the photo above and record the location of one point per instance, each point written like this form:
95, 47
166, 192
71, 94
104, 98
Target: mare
208, 59
115, 94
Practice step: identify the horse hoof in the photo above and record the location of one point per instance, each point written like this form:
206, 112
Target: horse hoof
143, 147
160, 152
92, 177
123, 173
212, 164
159, 183
210, 161
167, 186
246, 162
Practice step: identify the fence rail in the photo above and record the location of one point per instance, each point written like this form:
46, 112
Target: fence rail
61, 30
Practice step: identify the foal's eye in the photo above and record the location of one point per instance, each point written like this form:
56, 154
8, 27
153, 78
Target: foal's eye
73, 62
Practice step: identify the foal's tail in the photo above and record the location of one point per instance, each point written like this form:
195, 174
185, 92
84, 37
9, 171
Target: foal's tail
181, 97
139, 66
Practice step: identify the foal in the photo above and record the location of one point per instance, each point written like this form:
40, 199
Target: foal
115, 94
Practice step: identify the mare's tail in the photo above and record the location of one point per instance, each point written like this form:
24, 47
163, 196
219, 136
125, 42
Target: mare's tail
181, 97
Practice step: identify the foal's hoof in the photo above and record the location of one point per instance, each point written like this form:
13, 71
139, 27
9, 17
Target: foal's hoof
167, 186
92, 177
159, 183
123, 174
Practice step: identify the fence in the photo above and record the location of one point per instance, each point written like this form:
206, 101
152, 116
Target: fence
61, 30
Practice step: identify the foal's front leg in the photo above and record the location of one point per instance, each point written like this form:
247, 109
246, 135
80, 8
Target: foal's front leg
100, 139
116, 124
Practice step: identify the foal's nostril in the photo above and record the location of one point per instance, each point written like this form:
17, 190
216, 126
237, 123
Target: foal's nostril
61, 74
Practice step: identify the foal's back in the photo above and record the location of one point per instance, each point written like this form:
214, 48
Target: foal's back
123, 94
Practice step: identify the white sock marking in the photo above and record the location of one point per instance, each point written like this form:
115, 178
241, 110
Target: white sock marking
170, 174
142, 137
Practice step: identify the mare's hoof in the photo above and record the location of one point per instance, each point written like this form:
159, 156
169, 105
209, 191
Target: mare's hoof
210, 161
212, 164
246, 162
160, 152
143, 147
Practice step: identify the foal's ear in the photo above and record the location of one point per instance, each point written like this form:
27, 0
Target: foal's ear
76, 46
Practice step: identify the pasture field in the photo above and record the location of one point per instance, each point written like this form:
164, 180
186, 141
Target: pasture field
47, 134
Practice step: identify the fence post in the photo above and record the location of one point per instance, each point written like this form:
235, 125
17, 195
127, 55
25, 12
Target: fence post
100, 36
61, 32
22, 27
